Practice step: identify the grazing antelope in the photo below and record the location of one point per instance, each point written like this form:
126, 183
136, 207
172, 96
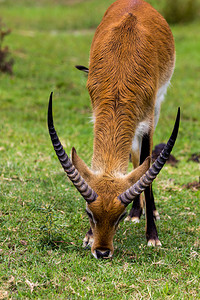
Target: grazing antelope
131, 63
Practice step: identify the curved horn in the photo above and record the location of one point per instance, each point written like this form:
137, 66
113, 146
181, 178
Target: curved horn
128, 196
84, 189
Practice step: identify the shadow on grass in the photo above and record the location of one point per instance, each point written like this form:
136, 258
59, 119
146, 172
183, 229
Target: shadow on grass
58, 242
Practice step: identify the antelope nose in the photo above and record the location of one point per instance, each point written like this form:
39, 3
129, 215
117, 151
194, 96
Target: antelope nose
102, 253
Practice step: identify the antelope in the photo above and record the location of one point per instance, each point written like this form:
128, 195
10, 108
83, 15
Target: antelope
132, 59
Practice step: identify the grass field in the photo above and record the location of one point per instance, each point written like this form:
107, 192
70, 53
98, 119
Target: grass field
42, 217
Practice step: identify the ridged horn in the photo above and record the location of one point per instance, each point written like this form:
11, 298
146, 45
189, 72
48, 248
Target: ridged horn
128, 196
81, 185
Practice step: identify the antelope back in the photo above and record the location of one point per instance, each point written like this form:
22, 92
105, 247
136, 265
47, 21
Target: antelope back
132, 56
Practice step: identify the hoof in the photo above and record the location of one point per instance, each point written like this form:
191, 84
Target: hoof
154, 243
156, 215
88, 241
127, 219
135, 220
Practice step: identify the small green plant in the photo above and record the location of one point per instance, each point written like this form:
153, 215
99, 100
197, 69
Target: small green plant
6, 63
179, 11
49, 229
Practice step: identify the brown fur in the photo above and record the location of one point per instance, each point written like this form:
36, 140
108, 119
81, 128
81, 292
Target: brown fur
132, 55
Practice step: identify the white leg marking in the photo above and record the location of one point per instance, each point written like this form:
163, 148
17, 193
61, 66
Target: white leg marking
88, 241
154, 243
135, 220
156, 215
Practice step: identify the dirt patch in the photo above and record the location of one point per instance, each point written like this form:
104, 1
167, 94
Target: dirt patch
156, 152
195, 157
195, 185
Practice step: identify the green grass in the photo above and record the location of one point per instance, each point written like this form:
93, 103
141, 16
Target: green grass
43, 260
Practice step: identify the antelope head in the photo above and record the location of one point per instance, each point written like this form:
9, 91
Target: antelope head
106, 195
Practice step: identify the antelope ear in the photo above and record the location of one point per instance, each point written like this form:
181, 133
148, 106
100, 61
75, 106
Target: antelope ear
137, 173
81, 166
82, 68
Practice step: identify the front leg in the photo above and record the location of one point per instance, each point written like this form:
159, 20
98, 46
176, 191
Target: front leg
151, 231
155, 212
151, 212
88, 239
137, 207
136, 210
